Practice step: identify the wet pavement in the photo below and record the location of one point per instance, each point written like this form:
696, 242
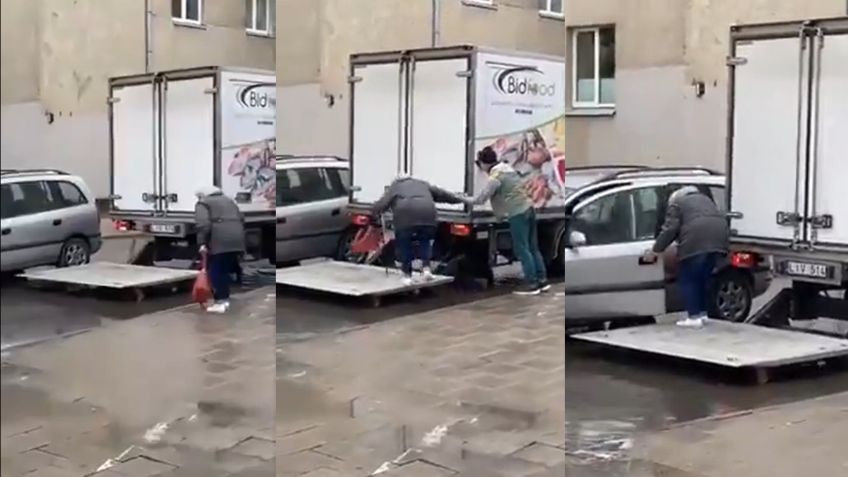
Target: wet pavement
419, 387
338, 357
175, 393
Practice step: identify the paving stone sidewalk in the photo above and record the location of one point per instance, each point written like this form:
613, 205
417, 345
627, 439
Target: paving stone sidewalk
178, 393
472, 390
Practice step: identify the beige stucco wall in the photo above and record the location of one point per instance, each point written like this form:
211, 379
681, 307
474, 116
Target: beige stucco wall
337, 28
69, 50
662, 47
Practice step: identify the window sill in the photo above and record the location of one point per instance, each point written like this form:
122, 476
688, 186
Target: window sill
552, 16
599, 112
480, 4
188, 24
259, 33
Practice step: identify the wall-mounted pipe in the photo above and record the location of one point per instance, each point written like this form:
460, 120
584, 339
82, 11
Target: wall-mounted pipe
148, 35
436, 23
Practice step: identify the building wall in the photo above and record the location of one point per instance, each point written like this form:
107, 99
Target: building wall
662, 48
54, 110
343, 27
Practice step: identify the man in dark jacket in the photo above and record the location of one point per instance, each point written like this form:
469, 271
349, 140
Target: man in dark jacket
703, 236
413, 205
220, 234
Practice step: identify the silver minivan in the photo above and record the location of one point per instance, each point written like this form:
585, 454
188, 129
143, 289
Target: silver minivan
312, 198
48, 218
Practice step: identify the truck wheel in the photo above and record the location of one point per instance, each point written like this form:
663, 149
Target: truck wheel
731, 297
75, 251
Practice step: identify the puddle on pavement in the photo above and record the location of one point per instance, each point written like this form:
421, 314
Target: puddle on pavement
296, 401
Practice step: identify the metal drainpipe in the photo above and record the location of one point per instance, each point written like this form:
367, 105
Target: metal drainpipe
435, 23
148, 35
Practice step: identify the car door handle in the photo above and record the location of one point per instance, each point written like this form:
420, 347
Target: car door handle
281, 220
336, 212
7, 231
647, 261
57, 222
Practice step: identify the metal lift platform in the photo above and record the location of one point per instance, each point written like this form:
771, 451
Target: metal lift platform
118, 276
353, 280
732, 345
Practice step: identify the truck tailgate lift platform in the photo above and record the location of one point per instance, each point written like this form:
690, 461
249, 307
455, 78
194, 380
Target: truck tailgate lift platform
731, 345
110, 275
352, 280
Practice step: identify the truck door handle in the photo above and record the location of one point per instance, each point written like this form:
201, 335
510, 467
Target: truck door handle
336, 212
57, 222
281, 220
7, 231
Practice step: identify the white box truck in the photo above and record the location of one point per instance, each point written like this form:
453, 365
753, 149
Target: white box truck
175, 132
427, 112
788, 160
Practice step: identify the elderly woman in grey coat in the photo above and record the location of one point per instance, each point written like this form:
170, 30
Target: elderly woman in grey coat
703, 234
220, 234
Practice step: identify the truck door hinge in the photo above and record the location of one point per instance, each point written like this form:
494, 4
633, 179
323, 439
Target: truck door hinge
790, 219
171, 198
465, 74
210, 91
736, 61
354, 79
821, 221
113, 100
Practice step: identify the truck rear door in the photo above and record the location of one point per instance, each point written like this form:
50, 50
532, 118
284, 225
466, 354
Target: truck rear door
377, 94
135, 135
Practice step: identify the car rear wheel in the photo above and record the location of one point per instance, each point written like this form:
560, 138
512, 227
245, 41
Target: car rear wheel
75, 251
731, 297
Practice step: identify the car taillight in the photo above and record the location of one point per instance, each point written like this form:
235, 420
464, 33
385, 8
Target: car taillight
360, 219
743, 259
460, 230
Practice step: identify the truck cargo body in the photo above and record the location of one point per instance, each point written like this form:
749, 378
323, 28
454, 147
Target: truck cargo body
175, 132
428, 112
788, 150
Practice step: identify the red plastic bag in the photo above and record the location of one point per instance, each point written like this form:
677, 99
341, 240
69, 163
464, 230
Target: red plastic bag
366, 240
202, 290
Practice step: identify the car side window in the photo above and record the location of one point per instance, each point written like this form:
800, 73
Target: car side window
607, 220
25, 198
719, 195
646, 204
67, 194
303, 185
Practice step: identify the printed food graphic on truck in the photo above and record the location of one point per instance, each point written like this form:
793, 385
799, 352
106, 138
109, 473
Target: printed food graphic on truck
253, 166
521, 115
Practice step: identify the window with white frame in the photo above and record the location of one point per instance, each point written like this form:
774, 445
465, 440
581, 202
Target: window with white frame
187, 11
260, 16
551, 7
593, 67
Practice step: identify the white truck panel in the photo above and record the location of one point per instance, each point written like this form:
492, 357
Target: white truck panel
189, 126
520, 112
134, 169
376, 130
831, 165
439, 125
248, 138
765, 138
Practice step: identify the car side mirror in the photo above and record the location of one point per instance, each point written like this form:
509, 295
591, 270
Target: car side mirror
577, 239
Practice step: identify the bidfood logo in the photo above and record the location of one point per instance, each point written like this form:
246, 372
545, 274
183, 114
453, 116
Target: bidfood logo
518, 80
257, 96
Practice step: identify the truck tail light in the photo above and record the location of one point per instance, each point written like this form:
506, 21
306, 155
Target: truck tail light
460, 230
123, 225
360, 219
743, 260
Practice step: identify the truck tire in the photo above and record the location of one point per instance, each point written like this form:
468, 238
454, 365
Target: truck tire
731, 296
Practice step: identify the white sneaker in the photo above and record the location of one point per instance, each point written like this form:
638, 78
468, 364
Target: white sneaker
220, 307
406, 280
691, 323
427, 274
